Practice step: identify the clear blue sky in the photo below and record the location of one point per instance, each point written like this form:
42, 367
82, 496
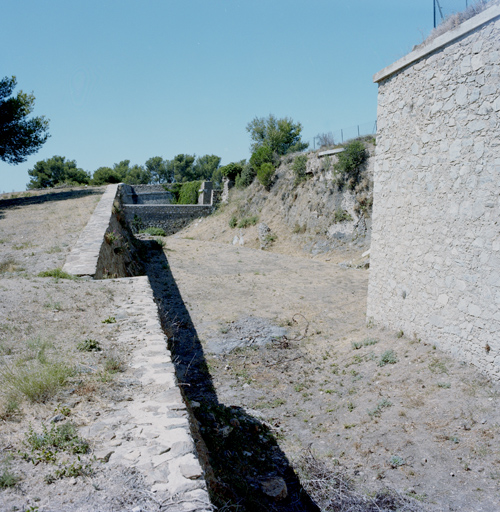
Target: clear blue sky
131, 79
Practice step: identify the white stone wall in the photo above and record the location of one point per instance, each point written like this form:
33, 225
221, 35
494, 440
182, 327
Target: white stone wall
435, 255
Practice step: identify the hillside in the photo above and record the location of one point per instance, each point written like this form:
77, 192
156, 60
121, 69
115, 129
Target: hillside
304, 219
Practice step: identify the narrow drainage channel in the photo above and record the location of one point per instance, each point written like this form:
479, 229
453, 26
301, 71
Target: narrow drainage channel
245, 468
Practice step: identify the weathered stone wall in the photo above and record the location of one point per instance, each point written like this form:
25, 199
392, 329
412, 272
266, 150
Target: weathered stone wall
435, 254
171, 218
144, 194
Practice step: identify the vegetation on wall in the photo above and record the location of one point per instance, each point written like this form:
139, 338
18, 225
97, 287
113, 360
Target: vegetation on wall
348, 165
184, 193
299, 167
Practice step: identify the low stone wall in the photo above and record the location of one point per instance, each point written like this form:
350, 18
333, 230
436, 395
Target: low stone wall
171, 218
151, 433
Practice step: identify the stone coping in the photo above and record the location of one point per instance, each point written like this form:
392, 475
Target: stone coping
82, 260
150, 430
440, 41
331, 152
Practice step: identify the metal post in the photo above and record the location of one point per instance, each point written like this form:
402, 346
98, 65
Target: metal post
358, 130
434, 5
342, 134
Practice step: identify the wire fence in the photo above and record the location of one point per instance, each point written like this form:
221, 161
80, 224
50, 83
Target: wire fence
342, 135
442, 9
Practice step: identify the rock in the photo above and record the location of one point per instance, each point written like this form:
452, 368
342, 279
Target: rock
264, 235
275, 488
191, 471
57, 418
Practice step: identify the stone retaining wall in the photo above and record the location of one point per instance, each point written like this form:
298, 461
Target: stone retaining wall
171, 218
152, 431
435, 254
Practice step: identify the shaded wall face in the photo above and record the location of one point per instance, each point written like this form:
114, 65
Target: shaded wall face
435, 257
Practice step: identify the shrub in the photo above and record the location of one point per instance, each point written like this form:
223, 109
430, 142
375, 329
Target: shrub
265, 174
231, 170
154, 231
248, 221
299, 168
233, 222
189, 192
349, 163
246, 177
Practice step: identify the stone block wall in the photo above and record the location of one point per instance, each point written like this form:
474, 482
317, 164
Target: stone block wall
435, 254
171, 218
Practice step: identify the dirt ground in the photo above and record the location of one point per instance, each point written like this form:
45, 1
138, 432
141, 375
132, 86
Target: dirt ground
284, 339
383, 407
42, 322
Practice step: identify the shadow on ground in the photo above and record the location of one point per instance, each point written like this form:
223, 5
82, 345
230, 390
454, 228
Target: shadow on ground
27, 199
245, 467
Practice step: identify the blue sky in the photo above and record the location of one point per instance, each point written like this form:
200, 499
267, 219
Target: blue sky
133, 79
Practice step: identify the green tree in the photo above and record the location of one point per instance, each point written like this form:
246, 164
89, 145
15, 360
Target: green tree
105, 175
181, 168
205, 166
158, 169
54, 171
19, 136
282, 136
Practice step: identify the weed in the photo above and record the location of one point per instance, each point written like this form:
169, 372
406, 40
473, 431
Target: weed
89, 345
400, 334
69, 470
36, 382
388, 357
54, 306
154, 231
377, 410
58, 273
20, 247
341, 215
454, 439
396, 461
356, 345
299, 230
437, 366
370, 341
60, 438
270, 238
113, 364
160, 242
53, 249
7, 477
109, 320
349, 425
111, 237
444, 385
233, 222
350, 406
9, 264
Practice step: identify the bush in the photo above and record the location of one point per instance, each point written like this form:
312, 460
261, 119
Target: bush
231, 170
154, 231
248, 221
349, 163
184, 193
58, 273
341, 215
299, 168
246, 177
233, 222
265, 174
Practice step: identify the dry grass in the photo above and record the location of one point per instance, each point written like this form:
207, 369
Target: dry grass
334, 491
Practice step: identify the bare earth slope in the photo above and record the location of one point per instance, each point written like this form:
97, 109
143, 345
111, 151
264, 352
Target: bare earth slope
381, 406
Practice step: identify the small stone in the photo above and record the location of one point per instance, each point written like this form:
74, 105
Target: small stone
452, 474
57, 418
137, 509
275, 488
191, 471
195, 405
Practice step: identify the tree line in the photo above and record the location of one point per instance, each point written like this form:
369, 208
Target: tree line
182, 168
21, 136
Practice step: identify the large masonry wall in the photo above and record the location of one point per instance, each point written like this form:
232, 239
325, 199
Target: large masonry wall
435, 254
